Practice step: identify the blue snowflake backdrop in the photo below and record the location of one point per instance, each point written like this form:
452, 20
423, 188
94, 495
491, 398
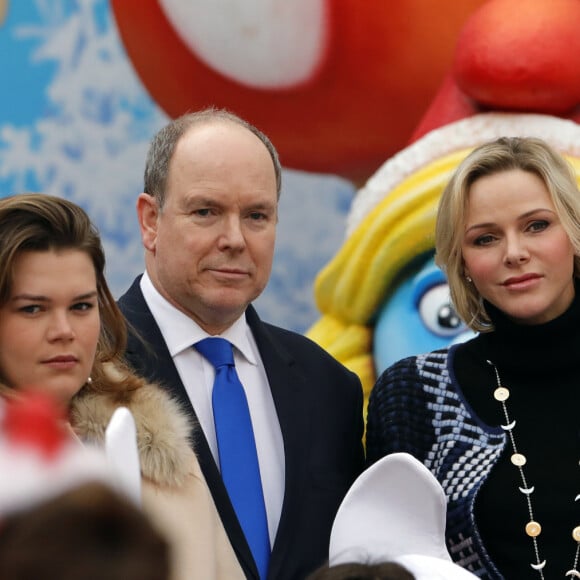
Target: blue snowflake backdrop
76, 122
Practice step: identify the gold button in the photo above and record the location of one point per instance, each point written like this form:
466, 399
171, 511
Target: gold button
518, 459
533, 529
576, 533
501, 394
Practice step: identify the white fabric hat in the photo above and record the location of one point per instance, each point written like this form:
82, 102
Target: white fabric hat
395, 511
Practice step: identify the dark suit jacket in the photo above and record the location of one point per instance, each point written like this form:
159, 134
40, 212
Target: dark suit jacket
319, 406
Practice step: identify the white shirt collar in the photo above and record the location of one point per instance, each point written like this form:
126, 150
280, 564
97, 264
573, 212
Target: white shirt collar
180, 332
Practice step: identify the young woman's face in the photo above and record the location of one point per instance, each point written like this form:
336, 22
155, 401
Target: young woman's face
515, 249
50, 325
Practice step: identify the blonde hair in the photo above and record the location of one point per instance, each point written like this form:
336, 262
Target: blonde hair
504, 154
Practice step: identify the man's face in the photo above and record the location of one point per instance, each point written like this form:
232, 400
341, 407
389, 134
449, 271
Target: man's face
211, 245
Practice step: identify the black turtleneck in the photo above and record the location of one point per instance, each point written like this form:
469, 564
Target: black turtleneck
540, 365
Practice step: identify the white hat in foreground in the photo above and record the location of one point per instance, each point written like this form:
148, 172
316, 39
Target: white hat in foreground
40, 458
395, 512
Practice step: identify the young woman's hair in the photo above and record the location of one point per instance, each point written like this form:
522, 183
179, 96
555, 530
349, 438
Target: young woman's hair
507, 153
35, 222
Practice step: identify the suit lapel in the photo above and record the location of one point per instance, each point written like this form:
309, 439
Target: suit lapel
289, 395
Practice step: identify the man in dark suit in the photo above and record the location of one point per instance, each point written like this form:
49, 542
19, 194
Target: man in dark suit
208, 223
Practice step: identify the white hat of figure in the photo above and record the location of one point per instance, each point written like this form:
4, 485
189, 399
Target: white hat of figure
395, 512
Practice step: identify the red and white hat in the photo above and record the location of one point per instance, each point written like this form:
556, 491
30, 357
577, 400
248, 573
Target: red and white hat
515, 73
40, 457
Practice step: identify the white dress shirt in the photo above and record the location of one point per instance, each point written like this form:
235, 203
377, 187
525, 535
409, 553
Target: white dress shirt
197, 375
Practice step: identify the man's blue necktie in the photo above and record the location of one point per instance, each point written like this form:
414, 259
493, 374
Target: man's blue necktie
237, 448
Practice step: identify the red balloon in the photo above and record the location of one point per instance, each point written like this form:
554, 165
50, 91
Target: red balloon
381, 66
524, 57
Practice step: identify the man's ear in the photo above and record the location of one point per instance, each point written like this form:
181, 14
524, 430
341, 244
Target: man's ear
148, 214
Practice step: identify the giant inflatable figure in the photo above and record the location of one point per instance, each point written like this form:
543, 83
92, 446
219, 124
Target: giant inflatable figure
338, 85
516, 72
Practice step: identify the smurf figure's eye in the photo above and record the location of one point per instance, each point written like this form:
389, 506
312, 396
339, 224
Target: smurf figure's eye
447, 317
437, 312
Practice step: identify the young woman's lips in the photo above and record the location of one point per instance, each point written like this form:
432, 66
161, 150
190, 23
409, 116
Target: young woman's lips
61, 362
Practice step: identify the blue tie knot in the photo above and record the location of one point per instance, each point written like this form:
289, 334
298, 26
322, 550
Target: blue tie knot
218, 351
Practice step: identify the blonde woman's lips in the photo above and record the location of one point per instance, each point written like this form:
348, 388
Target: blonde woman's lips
519, 282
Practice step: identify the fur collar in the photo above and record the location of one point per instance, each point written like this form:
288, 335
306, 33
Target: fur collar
163, 429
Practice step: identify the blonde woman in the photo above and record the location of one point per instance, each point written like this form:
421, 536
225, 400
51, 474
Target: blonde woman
495, 419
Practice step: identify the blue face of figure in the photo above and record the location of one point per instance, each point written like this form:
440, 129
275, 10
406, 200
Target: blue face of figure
418, 317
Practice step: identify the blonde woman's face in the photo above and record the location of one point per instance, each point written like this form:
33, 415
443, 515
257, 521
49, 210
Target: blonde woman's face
49, 328
515, 248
